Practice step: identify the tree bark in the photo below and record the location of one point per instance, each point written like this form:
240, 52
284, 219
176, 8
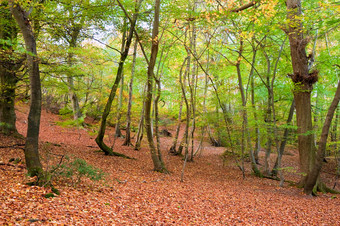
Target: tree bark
100, 137
8, 67
72, 41
303, 82
32, 159
118, 132
127, 141
156, 158
245, 116
284, 139
172, 149
313, 175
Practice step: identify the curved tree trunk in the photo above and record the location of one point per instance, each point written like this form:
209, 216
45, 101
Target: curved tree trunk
100, 137
156, 157
32, 159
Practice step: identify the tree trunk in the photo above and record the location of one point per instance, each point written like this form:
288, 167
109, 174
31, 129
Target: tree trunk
127, 141
156, 158
316, 168
193, 89
245, 117
204, 127
269, 117
139, 136
100, 137
8, 68
118, 132
185, 139
284, 139
32, 159
172, 149
303, 81
257, 129
75, 31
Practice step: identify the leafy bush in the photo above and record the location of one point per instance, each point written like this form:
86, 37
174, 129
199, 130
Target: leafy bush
74, 171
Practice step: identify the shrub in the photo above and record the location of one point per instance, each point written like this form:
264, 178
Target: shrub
74, 171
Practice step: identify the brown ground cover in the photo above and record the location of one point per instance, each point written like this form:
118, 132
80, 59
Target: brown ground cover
132, 194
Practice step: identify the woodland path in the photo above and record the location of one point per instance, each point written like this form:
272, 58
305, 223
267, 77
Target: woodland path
132, 194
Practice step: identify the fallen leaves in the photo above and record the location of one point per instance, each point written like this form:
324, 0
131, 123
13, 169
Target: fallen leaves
133, 194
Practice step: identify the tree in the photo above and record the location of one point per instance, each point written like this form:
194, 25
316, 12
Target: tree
100, 137
10, 63
32, 159
303, 85
155, 154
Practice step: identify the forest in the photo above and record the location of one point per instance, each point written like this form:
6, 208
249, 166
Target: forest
169, 112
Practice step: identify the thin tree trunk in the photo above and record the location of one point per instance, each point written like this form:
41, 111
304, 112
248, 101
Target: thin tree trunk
193, 88
118, 132
32, 159
284, 139
172, 149
257, 129
245, 117
204, 127
127, 141
76, 28
185, 139
139, 136
269, 117
100, 137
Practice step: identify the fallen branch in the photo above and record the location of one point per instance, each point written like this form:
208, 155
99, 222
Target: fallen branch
17, 146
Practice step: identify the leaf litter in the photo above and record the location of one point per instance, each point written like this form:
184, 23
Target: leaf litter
212, 193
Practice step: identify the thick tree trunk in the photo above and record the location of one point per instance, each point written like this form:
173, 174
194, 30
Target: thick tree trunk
303, 81
8, 67
316, 168
32, 159
156, 158
127, 141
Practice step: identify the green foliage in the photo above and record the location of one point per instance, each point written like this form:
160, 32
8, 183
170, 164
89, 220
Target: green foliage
76, 170
72, 123
49, 195
65, 111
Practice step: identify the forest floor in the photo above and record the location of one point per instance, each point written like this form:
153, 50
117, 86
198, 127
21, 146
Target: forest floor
212, 193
